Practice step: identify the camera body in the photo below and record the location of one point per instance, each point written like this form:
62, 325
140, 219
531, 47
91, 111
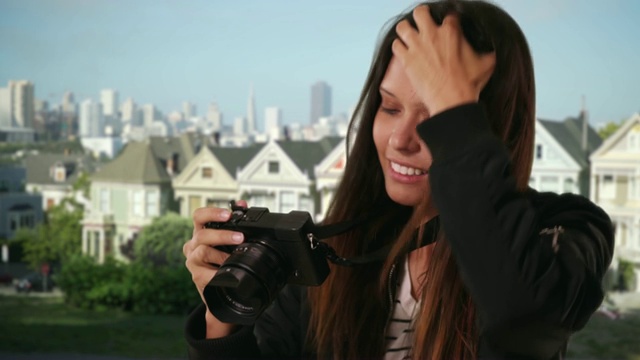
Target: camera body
278, 249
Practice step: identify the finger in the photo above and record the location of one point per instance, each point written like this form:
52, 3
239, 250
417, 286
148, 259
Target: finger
187, 248
242, 203
424, 20
451, 27
214, 237
405, 31
204, 215
207, 256
399, 50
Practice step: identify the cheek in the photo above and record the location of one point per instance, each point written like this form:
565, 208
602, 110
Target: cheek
380, 137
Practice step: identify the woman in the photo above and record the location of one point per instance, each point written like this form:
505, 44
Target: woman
445, 136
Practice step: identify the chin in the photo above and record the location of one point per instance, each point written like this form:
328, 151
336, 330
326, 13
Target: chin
405, 198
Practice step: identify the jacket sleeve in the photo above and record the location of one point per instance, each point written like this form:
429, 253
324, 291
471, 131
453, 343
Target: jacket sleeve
278, 333
533, 263
240, 344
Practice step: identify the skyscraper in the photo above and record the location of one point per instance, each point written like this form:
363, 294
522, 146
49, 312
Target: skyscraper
129, 111
320, 101
188, 110
91, 119
251, 112
272, 119
21, 95
239, 126
109, 101
214, 117
5, 108
68, 103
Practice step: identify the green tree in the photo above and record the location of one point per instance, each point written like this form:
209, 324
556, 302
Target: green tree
609, 128
160, 242
64, 227
60, 237
36, 246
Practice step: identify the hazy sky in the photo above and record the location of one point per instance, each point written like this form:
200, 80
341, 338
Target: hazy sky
167, 52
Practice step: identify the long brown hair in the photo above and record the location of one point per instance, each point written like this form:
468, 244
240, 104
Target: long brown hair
349, 311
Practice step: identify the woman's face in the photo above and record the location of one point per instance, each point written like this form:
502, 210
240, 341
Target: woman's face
404, 157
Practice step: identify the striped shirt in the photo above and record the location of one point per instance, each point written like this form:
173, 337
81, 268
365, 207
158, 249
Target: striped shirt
399, 336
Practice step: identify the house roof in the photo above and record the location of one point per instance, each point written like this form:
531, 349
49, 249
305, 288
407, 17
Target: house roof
184, 147
568, 134
617, 135
136, 164
233, 158
38, 167
307, 154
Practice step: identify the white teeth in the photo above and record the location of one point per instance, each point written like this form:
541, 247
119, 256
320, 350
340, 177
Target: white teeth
405, 170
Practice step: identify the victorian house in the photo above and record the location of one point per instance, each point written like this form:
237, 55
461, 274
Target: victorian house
281, 176
561, 155
615, 186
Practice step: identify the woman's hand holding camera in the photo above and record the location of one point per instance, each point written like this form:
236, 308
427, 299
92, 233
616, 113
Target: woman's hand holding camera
203, 260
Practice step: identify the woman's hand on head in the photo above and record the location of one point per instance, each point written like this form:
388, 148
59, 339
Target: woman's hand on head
203, 259
443, 68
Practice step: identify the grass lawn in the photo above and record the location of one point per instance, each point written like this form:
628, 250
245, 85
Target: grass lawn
47, 325
603, 338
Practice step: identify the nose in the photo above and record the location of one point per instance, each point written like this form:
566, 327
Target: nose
404, 136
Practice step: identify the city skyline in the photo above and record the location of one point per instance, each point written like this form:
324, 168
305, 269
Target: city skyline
203, 52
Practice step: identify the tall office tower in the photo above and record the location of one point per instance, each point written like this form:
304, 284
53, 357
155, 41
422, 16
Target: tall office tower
238, 126
320, 101
129, 112
40, 105
109, 101
272, 119
251, 112
214, 117
68, 103
188, 110
22, 103
5, 108
91, 119
148, 114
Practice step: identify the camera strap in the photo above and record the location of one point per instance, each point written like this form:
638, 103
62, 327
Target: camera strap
429, 232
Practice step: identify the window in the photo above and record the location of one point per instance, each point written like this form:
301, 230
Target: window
634, 187
607, 187
539, 151
152, 203
207, 173
549, 183
21, 219
194, 203
96, 244
138, 203
568, 185
306, 204
259, 200
274, 167
104, 200
287, 201
59, 173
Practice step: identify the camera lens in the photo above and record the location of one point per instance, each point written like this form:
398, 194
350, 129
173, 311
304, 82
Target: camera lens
246, 283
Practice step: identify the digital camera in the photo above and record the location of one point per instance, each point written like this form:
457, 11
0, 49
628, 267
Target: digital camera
278, 249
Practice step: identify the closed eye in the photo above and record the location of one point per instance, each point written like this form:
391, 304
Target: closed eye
390, 111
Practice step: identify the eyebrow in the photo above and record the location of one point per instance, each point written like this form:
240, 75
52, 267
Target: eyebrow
420, 106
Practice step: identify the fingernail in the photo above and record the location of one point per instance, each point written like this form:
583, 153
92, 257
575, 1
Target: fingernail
224, 214
237, 237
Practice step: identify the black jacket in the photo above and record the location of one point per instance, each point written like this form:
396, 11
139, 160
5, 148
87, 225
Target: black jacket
532, 262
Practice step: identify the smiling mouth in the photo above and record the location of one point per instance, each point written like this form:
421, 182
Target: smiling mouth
406, 170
